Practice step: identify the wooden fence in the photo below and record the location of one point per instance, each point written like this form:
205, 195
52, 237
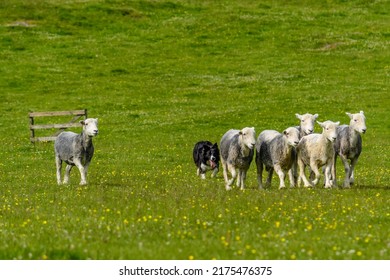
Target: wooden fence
74, 122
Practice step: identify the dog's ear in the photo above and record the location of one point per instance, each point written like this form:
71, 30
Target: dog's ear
215, 145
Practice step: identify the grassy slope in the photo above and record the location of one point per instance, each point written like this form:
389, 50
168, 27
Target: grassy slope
161, 75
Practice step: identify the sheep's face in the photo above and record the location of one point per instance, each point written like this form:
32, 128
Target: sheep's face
329, 129
90, 127
358, 122
292, 135
248, 137
307, 122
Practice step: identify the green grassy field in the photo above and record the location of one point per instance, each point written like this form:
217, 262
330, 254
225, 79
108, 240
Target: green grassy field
162, 75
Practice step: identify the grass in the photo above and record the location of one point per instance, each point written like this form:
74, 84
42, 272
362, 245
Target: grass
161, 75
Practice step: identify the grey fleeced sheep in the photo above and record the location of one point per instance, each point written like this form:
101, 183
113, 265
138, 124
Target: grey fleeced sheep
316, 150
306, 125
237, 149
276, 151
349, 145
75, 150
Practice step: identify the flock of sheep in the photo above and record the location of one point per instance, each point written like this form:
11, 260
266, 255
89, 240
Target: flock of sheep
280, 152
294, 147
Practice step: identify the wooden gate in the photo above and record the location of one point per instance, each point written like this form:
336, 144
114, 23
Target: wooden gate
74, 122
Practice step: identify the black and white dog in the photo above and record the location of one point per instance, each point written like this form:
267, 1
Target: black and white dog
206, 157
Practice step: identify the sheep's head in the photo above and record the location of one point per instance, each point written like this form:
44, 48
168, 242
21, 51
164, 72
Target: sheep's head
248, 137
358, 122
292, 135
329, 129
90, 127
307, 122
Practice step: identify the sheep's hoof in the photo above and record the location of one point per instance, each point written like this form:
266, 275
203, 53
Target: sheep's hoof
83, 183
228, 188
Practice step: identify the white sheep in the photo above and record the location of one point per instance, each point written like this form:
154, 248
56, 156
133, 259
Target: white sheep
306, 125
237, 153
316, 150
75, 150
277, 152
349, 145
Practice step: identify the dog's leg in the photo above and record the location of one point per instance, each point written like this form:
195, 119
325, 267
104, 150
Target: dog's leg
215, 171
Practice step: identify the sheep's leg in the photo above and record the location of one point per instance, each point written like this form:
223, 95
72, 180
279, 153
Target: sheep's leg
293, 174
292, 177
281, 175
59, 167
347, 169
242, 178
352, 171
259, 165
230, 182
225, 170
270, 171
314, 168
86, 167
81, 168
302, 175
327, 173
333, 171
238, 181
67, 173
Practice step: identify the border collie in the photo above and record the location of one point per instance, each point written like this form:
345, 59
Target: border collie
206, 157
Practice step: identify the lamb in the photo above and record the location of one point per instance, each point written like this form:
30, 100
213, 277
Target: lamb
75, 150
306, 126
349, 145
277, 152
237, 149
317, 150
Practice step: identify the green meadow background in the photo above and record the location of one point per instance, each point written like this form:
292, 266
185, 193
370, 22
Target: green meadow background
162, 75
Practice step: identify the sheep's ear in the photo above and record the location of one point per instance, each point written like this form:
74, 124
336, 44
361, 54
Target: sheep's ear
298, 116
240, 133
315, 116
320, 123
337, 123
349, 115
82, 122
361, 112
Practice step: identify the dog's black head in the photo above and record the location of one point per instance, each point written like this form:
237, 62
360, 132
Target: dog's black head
206, 153
212, 155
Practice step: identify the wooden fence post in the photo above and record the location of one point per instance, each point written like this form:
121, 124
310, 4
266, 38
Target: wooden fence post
77, 114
